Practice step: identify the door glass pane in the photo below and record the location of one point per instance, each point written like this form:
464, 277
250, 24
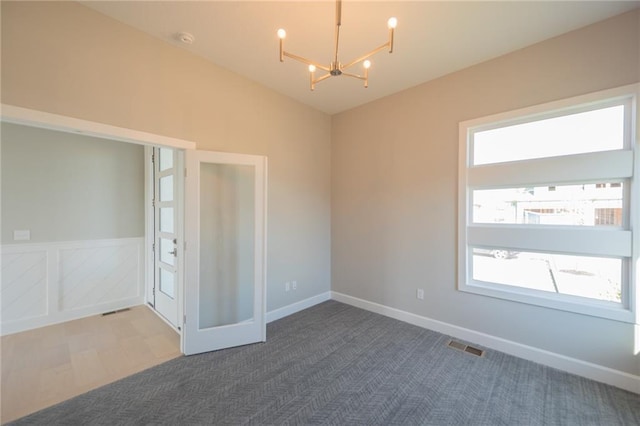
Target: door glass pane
166, 251
590, 131
166, 158
166, 219
591, 277
595, 204
167, 282
226, 244
166, 188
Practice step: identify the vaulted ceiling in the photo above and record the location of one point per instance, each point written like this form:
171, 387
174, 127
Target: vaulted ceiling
433, 38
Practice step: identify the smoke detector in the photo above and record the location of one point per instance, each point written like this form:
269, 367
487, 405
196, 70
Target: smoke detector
184, 37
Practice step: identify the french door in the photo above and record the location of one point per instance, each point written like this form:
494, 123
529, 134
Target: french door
225, 230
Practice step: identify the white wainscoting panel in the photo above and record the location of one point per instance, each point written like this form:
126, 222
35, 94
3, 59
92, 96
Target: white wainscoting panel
97, 275
24, 285
48, 283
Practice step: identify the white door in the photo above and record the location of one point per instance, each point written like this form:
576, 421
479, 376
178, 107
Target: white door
166, 259
225, 276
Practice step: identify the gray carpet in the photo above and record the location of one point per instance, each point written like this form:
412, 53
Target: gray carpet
336, 364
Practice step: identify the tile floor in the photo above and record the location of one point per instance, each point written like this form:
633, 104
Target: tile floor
51, 364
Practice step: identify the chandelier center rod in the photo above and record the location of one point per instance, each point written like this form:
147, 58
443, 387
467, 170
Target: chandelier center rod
337, 33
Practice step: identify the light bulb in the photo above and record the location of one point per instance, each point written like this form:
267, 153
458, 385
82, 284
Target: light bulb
366, 64
312, 68
392, 22
282, 33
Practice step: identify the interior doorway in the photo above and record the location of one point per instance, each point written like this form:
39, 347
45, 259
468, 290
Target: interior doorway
239, 192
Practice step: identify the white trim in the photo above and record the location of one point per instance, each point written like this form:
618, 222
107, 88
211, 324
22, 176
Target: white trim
180, 228
34, 118
148, 226
558, 239
26, 247
565, 302
594, 166
579, 367
285, 311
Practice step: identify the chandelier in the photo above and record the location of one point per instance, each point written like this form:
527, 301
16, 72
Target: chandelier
336, 68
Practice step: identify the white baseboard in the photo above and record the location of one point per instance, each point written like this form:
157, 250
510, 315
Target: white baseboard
285, 311
575, 366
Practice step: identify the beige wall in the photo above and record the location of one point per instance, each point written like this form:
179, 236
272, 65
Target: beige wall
394, 189
64, 58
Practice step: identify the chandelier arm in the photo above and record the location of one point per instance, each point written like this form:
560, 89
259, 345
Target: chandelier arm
312, 81
319, 79
348, 74
367, 55
305, 61
281, 49
364, 78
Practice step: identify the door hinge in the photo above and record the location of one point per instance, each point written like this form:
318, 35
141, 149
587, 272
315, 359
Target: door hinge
153, 202
153, 158
184, 320
153, 247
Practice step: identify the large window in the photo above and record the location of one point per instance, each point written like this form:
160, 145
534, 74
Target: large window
546, 205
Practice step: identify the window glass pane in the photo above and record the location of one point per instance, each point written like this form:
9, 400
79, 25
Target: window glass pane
227, 244
166, 219
591, 131
166, 251
167, 283
166, 188
166, 158
591, 277
598, 204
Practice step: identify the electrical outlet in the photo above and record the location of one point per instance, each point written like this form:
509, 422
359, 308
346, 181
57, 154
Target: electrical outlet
287, 286
420, 294
294, 285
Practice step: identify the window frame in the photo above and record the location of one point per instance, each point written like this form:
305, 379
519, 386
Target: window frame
593, 167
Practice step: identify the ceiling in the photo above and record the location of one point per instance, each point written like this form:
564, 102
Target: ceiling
433, 38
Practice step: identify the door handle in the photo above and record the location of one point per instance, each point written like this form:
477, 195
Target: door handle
174, 252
